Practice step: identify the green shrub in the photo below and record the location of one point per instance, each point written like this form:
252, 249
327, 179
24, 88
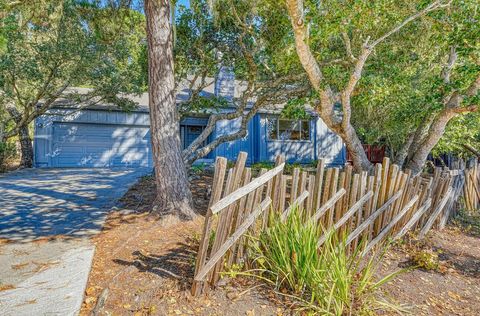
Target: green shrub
7, 152
326, 282
256, 167
426, 259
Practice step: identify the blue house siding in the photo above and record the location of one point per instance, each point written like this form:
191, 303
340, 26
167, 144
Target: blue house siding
97, 138
323, 143
92, 138
231, 149
329, 146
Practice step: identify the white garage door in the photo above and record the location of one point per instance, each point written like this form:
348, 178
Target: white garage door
98, 145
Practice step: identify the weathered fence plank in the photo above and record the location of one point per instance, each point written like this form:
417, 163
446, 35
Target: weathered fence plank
215, 258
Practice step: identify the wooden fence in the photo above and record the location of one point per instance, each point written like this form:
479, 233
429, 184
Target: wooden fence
369, 207
472, 187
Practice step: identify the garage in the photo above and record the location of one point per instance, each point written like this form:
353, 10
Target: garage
92, 138
93, 145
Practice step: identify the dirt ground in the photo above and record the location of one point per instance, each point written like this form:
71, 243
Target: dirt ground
144, 269
451, 289
148, 269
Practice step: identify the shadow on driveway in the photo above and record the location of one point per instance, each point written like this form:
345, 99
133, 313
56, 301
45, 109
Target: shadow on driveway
37, 203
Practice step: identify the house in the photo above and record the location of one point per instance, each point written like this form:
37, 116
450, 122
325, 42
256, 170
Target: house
104, 136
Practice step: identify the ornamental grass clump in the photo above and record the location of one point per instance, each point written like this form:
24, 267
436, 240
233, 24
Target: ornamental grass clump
329, 281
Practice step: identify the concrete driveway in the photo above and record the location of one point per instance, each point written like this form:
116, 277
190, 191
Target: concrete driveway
39, 276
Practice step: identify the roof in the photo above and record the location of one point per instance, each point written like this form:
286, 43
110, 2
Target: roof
183, 93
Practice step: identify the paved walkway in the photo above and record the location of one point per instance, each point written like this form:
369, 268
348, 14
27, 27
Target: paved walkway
48, 277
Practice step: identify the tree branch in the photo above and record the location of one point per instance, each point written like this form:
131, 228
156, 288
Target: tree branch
308, 61
348, 46
431, 7
447, 69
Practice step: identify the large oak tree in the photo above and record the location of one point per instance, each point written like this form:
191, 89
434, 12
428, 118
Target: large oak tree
49, 47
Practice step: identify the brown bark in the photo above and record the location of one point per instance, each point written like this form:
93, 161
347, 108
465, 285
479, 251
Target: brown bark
325, 109
344, 128
402, 154
26, 147
472, 150
173, 193
419, 157
453, 108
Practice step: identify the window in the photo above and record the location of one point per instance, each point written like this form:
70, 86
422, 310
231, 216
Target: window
283, 129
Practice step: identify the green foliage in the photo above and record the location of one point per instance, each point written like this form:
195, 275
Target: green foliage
461, 130
426, 259
402, 85
198, 168
288, 169
295, 110
7, 151
47, 47
327, 282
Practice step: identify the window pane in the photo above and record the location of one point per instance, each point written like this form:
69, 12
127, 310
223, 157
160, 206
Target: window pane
289, 130
305, 130
272, 128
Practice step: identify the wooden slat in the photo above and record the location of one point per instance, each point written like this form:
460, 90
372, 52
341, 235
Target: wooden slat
238, 218
310, 189
215, 258
248, 209
217, 187
296, 203
358, 205
392, 223
277, 183
326, 187
339, 204
302, 187
318, 183
363, 188
283, 193
294, 187
435, 214
369, 221
324, 208
221, 223
333, 189
383, 190
352, 199
391, 184
228, 223
414, 219
239, 193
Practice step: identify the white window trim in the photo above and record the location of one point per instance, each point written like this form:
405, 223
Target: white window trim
277, 119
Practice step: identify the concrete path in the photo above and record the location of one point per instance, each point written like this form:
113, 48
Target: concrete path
48, 277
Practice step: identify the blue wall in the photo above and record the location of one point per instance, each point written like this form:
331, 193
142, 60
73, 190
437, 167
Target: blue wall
51, 130
92, 138
231, 149
323, 143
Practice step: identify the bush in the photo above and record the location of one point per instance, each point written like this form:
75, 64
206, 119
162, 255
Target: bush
7, 152
426, 259
327, 282
256, 167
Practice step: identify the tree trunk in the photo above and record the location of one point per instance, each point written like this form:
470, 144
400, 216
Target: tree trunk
173, 193
26, 147
401, 156
355, 148
436, 131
